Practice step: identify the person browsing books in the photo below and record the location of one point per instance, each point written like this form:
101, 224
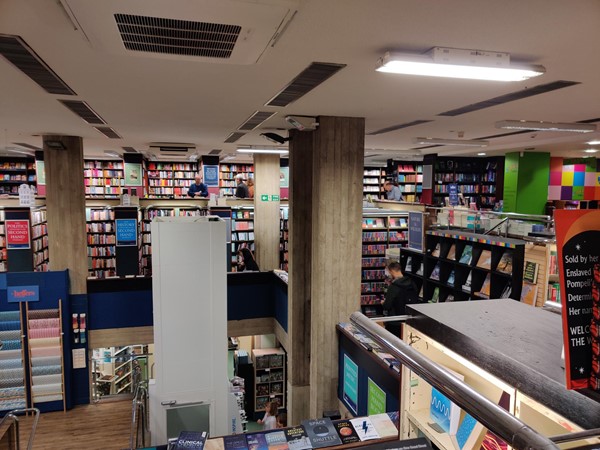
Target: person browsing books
246, 260
198, 188
269, 420
392, 191
241, 191
401, 292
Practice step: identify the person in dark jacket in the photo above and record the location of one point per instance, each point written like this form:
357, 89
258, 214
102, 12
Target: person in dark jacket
198, 188
247, 260
401, 292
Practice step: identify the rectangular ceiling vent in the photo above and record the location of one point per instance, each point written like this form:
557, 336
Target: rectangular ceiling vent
108, 132
83, 110
216, 151
306, 81
234, 137
398, 127
177, 37
15, 50
173, 149
255, 120
130, 150
511, 97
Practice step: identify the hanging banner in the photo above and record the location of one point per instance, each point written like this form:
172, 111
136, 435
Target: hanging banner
211, 175
578, 242
17, 234
453, 194
415, 230
126, 232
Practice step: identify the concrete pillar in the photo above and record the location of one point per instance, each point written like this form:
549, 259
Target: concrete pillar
266, 212
335, 256
65, 204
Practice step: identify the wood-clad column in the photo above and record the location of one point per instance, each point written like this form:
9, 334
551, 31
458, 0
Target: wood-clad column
65, 204
324, 286
299, 266
266, 211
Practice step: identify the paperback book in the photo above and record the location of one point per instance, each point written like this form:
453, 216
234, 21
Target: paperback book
467, 286
450, 298
485, 260
321, 433
408, 267
346, 431
529, 293
451, 253
444, 412
506, 291
297, 438
466, 255
486, 287
384, 425
436, 295
421, 291
276, 440
235, 442
435, 273
530, 272
191, 440
420, 269
450, 280
364, 428
506, 263
436, 250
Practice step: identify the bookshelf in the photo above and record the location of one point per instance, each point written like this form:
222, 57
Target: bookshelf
283, 238
410, 181
242, 232
479, 180
3, 250
103, 179
100, 225
373, 178
39, 239
46, 366
553, 294
14, 172
13, 390
379, 233
453, 267
269, 378
227, 174
170, 179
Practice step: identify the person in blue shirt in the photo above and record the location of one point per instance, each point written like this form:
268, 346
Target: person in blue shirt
392, 192
198, 188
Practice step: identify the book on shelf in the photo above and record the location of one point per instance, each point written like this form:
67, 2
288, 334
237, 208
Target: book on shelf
408, 267
364, 428
256, 441
467, 254
505, 265
235, 442
419, 269
451, 278
436, 295
436, 250
421, 291
384, 425
450, 298
297, 438
445, 413
485, 260
346, 431
468, 434
485, 287
451, 253
191, 440
435, 273
321, 433
276, 440
529, 293
530, 271
467, 285
506, 291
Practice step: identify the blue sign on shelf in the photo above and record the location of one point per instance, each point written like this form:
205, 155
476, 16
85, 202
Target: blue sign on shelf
350, 392
453, 194
126, 232
17, 294
415, 230
211, 176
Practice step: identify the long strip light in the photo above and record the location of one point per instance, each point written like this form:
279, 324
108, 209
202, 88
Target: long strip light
459, 63
594, 142
459, 142
545, 126
275, 151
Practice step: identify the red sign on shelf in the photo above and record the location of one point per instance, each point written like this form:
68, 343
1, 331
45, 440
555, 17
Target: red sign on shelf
17, 234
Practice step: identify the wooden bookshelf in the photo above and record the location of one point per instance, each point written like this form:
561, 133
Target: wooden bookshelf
269, 378
283, 238
103, 179
242, 232
14, 172
170, 179
227, 174
39, 240
373, 178
410, 180
100, 225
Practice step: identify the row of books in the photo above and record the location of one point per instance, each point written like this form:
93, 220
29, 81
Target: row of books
14, 166
9, 177
374, 236
243, 236
103, 173
377, 222
373, 262
99, 190
172, 166
483, 260
411, 189
410, 168
161, 182
101, 239
366, 288
168, 174
463, 188
101, 251
101, 227
39, 230
99, 214
371, 299
88, 164
373, 274
374, 172
245, 225
410, 178
37, 244
101, 263
464, 166
373, 249
237, 168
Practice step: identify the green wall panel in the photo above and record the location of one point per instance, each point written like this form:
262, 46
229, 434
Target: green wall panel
532, 191
511, 181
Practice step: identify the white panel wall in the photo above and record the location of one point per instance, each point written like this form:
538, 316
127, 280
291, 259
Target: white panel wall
190, 319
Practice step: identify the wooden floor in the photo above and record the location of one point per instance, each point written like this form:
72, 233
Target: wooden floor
90, 427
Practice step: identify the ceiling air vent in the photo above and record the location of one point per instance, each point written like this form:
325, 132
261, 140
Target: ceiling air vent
130, 150
83, 110
306, 81
177, 37
108, 132
398, 127
255, 120
14, 49
234, 137
216, 151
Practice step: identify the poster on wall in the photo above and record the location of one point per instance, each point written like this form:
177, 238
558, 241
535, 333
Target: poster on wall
427, 176
126, 232
350, 389
578, 242
210, 175
453, 194
284, 177
133, 174
375, 399
40, 172
415, 230
17, 234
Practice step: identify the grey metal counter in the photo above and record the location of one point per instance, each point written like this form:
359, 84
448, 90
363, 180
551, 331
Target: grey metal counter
517, 343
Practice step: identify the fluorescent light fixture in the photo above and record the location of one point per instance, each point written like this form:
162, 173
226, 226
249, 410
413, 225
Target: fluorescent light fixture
458, 63
545, 126
276, 151
111, 153
21, 152
593, 143
458, 142
590, 150
481, 154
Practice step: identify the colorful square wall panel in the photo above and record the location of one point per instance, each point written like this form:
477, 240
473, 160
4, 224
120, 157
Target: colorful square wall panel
589, 193
577, 193
567, 178
554, 192
579, 178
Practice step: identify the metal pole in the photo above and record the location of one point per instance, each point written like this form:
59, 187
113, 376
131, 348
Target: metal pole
570, 437
492, 416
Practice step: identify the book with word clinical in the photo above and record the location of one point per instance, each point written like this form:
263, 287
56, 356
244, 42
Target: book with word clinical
191, 440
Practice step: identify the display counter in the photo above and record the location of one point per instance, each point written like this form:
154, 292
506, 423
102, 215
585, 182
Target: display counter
498, 346
399, 206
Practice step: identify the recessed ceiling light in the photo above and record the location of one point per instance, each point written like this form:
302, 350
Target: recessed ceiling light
594, 142
590, 150
459, 63
545, 126
459, 142
278, 151
480, 154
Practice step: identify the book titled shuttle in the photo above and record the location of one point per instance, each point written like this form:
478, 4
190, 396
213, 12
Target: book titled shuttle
321, 433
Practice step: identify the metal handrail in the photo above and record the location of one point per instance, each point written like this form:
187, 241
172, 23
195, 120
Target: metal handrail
13, 415
492, 416
506, 219
139, 416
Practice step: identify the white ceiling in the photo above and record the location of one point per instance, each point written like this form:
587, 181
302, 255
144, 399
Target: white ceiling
147, 99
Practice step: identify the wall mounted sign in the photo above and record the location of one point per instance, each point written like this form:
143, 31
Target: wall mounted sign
415, 230
211, 175
375, 399
126, 231
133, 174
17, 234
18, 294
350, 391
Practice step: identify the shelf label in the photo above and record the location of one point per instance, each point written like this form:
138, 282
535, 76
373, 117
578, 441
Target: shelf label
415, 230
126, 230
375, 399
350, 389
17, 234
18, 294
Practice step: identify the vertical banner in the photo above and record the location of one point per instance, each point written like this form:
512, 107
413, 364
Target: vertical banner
578, 242
415, 230
210, 175
376, 399
126, 232
17, 234
350, 392
453, 194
